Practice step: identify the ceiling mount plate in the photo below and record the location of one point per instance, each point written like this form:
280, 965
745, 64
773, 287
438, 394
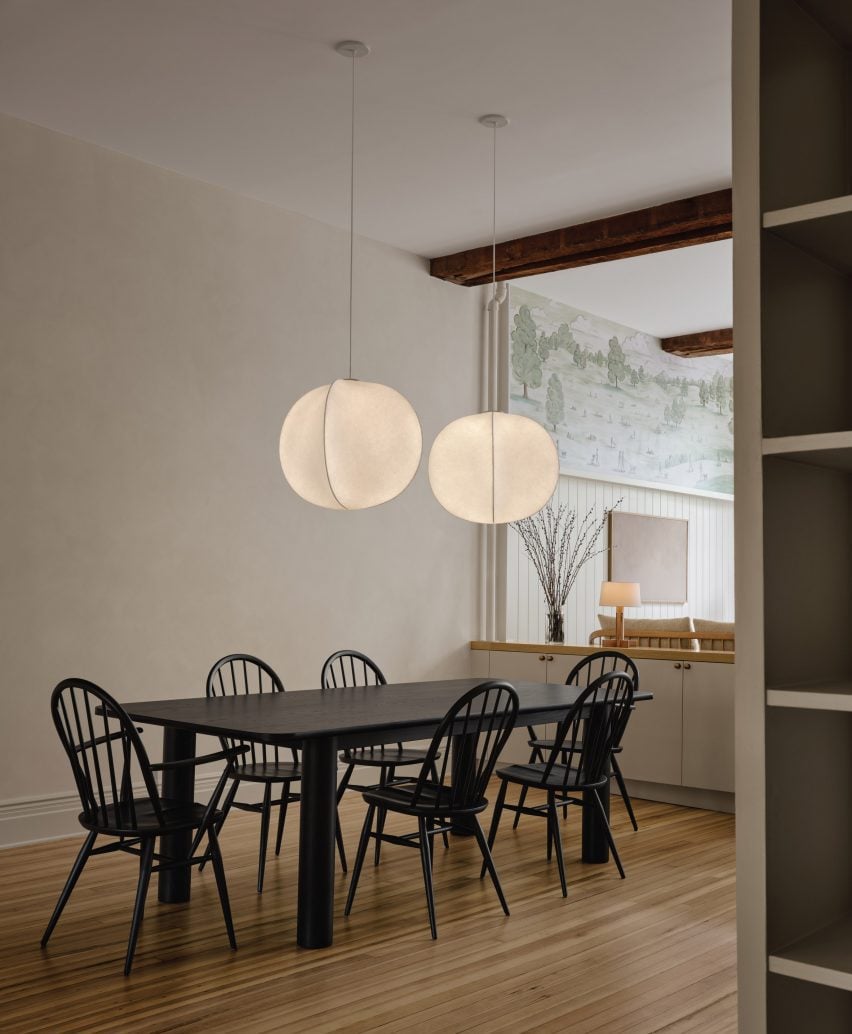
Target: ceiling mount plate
352, 48
493, 121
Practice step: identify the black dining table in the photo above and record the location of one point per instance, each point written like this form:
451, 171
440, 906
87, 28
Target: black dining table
321, 722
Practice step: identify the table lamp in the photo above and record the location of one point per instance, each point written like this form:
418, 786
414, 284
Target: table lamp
620, 595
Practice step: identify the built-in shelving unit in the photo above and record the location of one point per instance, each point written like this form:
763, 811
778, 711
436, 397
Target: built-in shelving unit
823, 228
816, 696
824, 957
793, 371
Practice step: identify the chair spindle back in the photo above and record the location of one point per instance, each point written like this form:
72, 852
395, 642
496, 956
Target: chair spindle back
240, 674
106, 753
484, 717
587, 734
349, 668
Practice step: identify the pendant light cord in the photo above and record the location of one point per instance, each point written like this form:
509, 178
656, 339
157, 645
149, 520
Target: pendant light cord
351, 210
494, 210
494, 297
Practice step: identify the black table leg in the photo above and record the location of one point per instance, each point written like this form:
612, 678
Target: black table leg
179, 785
595, 846
464, 756
317, 824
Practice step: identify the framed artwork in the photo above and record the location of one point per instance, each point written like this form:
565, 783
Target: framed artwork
652, 551
617, 405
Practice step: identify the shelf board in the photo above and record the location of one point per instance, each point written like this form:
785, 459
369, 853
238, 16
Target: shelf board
823, 229
824, 957
815, 696
833, 449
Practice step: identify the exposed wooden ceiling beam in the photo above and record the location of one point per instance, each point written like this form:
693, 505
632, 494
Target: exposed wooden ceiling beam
675, 224
708, 342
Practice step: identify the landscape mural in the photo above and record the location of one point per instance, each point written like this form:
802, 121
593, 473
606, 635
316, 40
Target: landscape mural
617, 406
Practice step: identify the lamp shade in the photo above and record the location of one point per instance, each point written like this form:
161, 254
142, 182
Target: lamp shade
620, 594
491, 468
350, 445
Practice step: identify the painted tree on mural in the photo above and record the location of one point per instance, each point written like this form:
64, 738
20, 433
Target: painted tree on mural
617, 368
564, 338
526, 358
719, 392
555, 405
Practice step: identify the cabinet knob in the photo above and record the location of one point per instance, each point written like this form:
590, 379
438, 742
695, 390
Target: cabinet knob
550, 656
687, 665
678, 664
541, 657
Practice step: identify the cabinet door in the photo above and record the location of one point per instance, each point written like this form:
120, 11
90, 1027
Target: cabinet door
708, 726
653, 742
525, 667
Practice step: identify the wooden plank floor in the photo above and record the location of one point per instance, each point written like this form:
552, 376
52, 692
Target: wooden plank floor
655, 953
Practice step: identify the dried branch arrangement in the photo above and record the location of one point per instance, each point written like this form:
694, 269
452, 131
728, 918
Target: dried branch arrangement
559, 545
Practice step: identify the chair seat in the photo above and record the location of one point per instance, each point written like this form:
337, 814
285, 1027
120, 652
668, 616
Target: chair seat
434, 800
389, 754
269, 771
177, 815
533, 775
547, 744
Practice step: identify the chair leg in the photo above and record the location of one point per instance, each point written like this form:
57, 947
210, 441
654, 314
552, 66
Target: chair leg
608, 833
556, 840
523, 797
386, 777
489, 863
344, 782
146, 862
226, 807
436, 779
221, 885
264, 834
622, 789
73, 876
426, 863
565, 806
363, 843
338, 836
282, 816
495, 821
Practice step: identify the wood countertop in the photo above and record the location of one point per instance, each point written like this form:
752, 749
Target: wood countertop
638, 652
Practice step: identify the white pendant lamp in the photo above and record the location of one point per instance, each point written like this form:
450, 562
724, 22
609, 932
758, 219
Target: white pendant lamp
350, 444
492, 468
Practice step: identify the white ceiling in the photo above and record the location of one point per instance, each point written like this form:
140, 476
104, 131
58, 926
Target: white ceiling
614, 104
673, 292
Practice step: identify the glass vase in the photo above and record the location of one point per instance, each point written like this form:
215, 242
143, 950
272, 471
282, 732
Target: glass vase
555, 626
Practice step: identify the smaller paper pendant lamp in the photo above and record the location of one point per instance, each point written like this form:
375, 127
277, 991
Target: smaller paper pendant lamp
350, 445
492, 468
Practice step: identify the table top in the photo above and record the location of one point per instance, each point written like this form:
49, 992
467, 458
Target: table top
307, 714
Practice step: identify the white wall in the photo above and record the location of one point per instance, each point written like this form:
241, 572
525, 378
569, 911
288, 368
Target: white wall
154, 332
710, 567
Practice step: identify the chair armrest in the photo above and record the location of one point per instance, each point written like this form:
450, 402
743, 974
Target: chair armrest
204, 759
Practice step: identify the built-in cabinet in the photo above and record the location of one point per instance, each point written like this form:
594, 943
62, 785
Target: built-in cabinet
792, 183
684, 737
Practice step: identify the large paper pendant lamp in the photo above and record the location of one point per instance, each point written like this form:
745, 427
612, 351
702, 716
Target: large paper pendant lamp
492, 468
350, 444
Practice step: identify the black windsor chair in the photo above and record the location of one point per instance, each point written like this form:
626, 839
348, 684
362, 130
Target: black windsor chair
583, 674
578, 763
349, 669
239, 674
484, 717
109, 763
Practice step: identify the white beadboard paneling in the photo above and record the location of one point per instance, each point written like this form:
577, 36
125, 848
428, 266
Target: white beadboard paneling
711, 561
